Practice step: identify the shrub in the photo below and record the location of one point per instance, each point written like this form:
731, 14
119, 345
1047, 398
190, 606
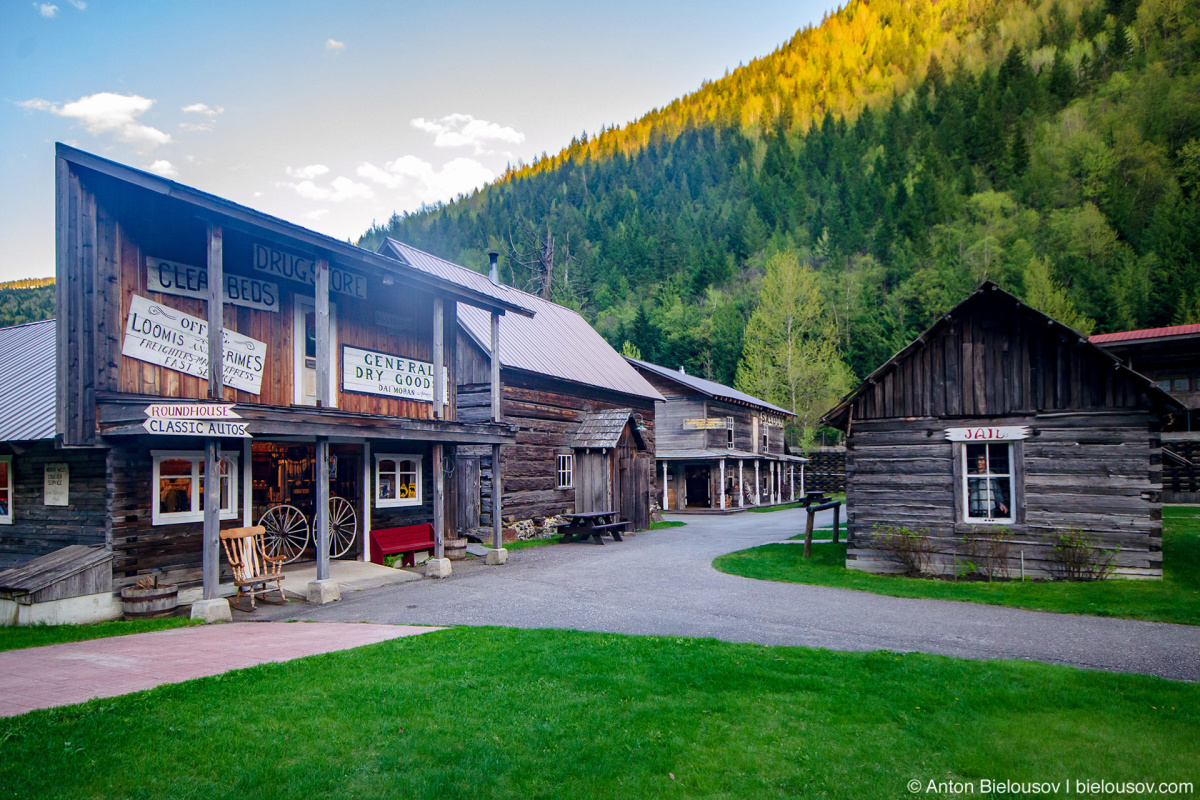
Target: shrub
912, 550
1076, 557
987, 551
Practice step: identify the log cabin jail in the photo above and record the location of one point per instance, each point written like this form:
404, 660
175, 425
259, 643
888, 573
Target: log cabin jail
330, 412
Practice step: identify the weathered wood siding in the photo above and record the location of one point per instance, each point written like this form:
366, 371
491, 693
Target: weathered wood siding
38, 529
547, 414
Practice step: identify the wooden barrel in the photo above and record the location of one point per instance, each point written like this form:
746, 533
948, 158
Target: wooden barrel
149, 603
456, 549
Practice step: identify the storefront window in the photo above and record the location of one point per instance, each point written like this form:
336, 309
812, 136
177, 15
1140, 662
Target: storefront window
179, 485
397, 480
6, 490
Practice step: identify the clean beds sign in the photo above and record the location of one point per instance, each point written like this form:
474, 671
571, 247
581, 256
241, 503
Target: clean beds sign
186, 280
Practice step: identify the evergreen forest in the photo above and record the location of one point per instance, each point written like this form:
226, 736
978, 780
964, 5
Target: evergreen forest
27, 300
790, 226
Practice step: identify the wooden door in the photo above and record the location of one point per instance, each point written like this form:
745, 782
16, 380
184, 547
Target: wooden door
467, 489
592, 478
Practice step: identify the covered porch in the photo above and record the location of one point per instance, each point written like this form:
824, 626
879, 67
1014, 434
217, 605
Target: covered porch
706, 481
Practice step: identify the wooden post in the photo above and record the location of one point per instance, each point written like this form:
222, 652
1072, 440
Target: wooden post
722, 490
792, 482
808, 528
321, 516
802, 492
212, 520
837, 512
741, 484
247, 482
211, 538
757, 485
439, 511
497, 509
367, 494
439, 359
321, 304
664, 505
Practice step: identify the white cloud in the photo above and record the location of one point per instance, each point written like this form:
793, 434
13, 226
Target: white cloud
309, 172
317, 214
417, 181
164, 168
339, 190
462, 130
106, 112
78, 4
335, 45
46, 10
201, 108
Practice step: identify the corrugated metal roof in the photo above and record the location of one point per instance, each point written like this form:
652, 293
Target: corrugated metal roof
604, 428
27, 360
1145, 333
705, 386
556, 342
455, 273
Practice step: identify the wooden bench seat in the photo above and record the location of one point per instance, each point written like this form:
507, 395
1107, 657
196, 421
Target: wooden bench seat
407, 539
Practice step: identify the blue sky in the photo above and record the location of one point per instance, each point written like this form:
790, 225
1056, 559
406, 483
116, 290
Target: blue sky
332, 115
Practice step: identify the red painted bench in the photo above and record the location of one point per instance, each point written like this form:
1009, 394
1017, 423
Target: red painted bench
407, 540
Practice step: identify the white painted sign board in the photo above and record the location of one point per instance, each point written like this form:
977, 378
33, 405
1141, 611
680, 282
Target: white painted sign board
369, 372
56, 485
279, 264
191, 411
196, 427
158, 334
186, 280
988, 434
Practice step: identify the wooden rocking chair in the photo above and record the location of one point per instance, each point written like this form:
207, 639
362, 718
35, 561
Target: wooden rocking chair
254, 571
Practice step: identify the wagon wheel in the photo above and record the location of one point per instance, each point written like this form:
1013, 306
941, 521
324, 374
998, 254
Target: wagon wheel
286, 534
343, 526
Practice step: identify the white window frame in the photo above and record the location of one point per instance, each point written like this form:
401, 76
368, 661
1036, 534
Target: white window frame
729, 438
196, 514
299, 306
560, 470
7, 519
1012, 485
399, 502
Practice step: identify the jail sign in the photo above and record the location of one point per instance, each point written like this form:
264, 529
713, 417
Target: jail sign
988, 434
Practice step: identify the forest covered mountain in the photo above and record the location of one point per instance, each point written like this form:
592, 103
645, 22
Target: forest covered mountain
896, 154
27, 300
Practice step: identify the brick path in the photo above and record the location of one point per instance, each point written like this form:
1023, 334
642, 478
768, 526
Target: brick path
61, 674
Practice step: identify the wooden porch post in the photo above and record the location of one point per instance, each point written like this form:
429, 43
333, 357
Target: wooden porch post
367, 494
439, 511
722, 489
321, 517
792, 482
741, 485
211, 554
497, 488
757, 485
321, 307
802, 480
664, 505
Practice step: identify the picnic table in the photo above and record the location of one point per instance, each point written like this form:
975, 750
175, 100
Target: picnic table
594, 524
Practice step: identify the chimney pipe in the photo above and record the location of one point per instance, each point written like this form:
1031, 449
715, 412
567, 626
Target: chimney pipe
682, 371
493, 270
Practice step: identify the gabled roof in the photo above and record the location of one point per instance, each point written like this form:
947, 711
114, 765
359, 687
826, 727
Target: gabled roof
1171, 332
711, 388
604, 429
836, 417
431, 264
224, 212
556, 342
27, 362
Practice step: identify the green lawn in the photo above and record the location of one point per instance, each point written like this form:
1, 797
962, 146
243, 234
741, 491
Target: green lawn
1176, 598
14, 638
667, 523
492, 712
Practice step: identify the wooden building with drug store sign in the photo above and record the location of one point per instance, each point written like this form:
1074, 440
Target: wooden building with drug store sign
331, 411
1000, 417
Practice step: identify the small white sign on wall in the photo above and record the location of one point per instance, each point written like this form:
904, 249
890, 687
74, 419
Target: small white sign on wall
988, 434
56, 485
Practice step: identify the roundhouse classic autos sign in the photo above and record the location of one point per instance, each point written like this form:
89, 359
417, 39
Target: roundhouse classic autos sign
987, 434
185, 280
158, 334
194, 419
369, 372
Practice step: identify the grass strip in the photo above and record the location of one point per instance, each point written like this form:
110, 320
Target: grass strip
1176, 598
18, 638
492, 712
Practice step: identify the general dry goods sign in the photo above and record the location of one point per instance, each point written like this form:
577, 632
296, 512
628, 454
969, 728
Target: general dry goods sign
194, 419
987, 434
158, 334
185, 280
278, 264
370, 372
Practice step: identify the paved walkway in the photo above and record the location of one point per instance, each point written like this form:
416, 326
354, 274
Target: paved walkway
61, 674
662, 582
